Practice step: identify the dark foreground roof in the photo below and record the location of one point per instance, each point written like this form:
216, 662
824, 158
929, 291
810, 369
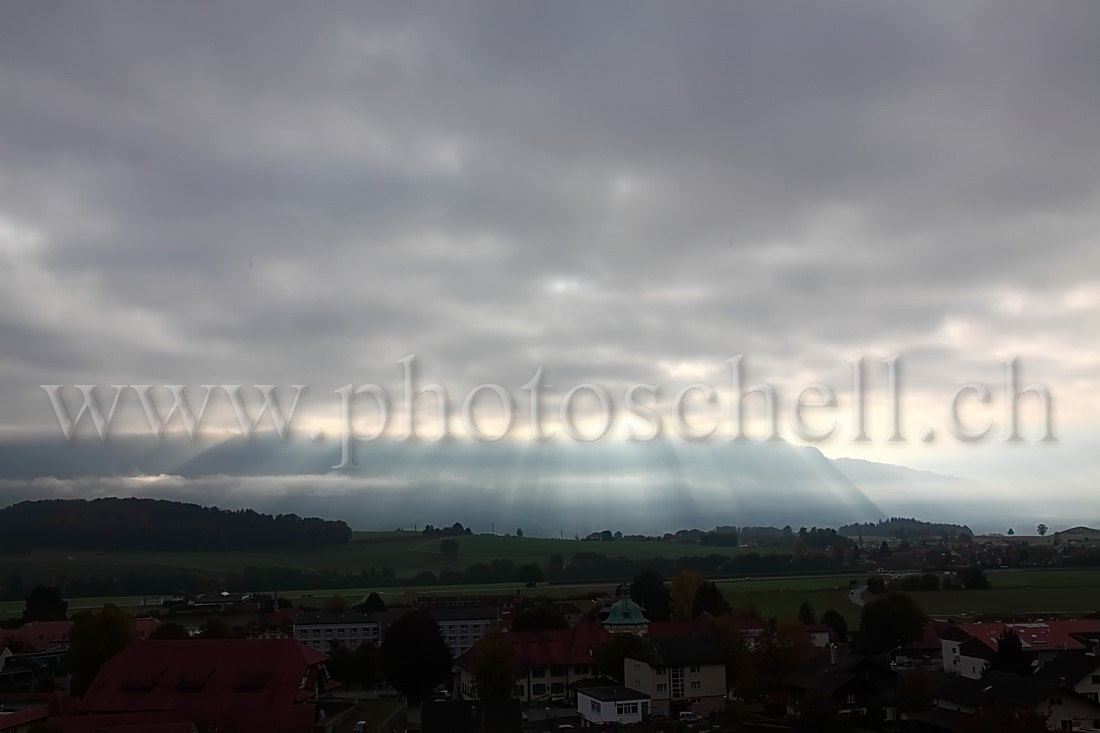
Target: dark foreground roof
678, 651
614, 694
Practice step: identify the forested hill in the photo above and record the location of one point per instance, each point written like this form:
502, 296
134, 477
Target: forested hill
154, 524
904, 528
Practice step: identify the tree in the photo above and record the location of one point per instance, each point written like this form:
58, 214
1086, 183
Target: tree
974, 579
1009, 657
519, 532
611, 656
1011, 531
170, 630
415, 656
890, 621
806, 614
876, 585
836, 622
556, 565
45, 603
1041, 529
493, 666
530, 574
93, 640
709, 599
884, 550
214, 627
965, 539
685, 584
543, 617
449, 548
336, 604
374, 604
648, 591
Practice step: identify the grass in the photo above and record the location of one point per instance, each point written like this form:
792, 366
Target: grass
407, 553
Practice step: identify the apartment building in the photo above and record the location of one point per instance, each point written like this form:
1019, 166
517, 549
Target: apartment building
678, 673
464, 626
324, 631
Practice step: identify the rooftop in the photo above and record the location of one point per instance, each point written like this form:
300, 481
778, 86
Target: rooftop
613, 694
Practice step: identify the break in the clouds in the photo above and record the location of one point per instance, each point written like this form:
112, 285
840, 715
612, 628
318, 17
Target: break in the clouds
274, 193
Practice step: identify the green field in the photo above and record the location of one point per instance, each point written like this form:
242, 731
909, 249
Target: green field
407, 553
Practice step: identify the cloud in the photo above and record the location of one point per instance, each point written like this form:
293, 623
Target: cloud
268, 194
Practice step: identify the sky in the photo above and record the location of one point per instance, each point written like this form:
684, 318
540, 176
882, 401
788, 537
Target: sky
269, 193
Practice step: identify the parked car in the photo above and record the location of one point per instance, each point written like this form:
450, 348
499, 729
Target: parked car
360, 727
690, 716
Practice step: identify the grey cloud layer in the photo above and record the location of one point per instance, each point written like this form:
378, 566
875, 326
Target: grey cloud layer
266, 193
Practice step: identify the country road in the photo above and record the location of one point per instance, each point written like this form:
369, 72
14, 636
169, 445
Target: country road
856, 596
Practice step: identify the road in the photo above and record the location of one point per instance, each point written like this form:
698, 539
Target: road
856, 596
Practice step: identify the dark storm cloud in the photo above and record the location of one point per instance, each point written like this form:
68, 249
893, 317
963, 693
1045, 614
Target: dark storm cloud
269, 193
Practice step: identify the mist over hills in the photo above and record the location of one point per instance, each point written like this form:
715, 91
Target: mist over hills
547, 489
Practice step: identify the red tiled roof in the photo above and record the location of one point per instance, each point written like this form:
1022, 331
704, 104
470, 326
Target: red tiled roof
1035, 636
553, 648
11, 721
210, 680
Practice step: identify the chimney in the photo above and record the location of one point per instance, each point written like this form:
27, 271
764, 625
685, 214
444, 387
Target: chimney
832, 654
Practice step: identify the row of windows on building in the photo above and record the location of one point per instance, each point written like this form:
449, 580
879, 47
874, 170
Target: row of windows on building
538, 690
558, 671
621, 708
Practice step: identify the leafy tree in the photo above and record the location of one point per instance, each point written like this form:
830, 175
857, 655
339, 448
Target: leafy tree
965, 539
543, 617
556, 565
884, 550
374, 604
336, 604
214, 627
709, 599
893, 620
493, 665
1041, 529
648, 591
45, 603
93, 640
611, 656
359, 666
806, 614
449, 548
415, 656
876, 585
530, 574
974, 579
685, 585
1009, 657
1011, 531
170, 630
519, 532
836, 622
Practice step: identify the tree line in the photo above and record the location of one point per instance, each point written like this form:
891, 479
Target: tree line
150, 525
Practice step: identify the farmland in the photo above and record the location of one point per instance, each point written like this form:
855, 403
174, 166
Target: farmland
406, 553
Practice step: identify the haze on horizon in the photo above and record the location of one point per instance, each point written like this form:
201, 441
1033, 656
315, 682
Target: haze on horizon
275, 194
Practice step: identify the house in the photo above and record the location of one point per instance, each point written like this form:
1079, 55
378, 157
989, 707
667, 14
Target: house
857, 685
239, 685
1076, 671
967, 648
616, 704
964, 696
547, 662
678, 673
277, 624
